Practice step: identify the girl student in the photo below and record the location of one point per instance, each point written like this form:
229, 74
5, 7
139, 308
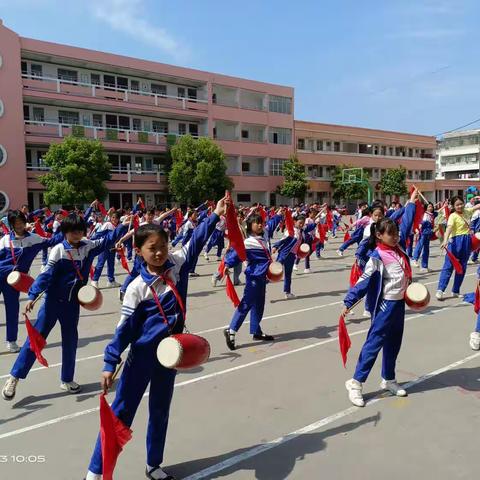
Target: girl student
153, 308
384, 281
258, 259
457, 241
287, 249
67, 271
18, 249
424, 236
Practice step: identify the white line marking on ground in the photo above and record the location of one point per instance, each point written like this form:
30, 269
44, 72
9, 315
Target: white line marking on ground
211, 375
313, 426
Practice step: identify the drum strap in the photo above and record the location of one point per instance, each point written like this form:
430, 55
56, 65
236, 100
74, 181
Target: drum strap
14, 260
77, 270
159, 305
168, 281
267, 253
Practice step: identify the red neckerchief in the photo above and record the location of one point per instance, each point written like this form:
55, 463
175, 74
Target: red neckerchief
168, 281
407, 269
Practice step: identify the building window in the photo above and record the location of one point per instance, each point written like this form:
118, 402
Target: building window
336, 146
243, 198
182, 128
3, 155
69, 118
301, 144
125, 163
136, 124
38, 114
282, 136
36, 70
97, 120
245, 167
319, 145
193, 129
24, 68
276, 166
68, 75
95, 78
280, 104
134, 85
192, 93
4, 202
159, 89
181, 92
160, 127
28, 157
244, 133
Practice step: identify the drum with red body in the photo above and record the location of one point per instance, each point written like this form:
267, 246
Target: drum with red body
183, 351
417, 296
475, 241
20, 281
90, 298
275, 272
303, 250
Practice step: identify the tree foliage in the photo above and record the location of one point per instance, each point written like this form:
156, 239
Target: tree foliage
78, 169
348, 191
198, 170
295, 182
394, 182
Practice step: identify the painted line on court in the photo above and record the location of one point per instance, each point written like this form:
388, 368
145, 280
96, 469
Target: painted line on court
215, 329
230, 462
208, 376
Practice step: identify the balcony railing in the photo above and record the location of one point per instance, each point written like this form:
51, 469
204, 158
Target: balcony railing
357, 154
60, 130
83, 89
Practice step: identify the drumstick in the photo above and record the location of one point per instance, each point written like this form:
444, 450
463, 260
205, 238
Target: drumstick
353, 306
114, 376
421, 194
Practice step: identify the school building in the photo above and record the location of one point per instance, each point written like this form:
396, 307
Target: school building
136, 108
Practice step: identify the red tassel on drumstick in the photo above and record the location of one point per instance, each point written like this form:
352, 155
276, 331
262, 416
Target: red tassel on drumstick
231, 292
457, 266
343, 337
346, 237
234, 235
37, 342
289, 223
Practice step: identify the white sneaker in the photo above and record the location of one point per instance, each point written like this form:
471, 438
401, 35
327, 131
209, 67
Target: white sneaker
339, 253
295, 268
475, 340
307, 270
94, 283
206, 257
93, 476
10, 388
424, 270
289, 295
71, 387
415, 263
12, 347
366, 314
214, 281
354, 389
457, 295
439, 295
156, 473
113, 284
393, 387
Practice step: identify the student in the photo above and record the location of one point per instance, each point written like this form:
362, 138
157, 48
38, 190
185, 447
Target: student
384, 281
253, 300
425, 234
153, 308
474, 340
67, 271
18, 249
457, 240
216, 240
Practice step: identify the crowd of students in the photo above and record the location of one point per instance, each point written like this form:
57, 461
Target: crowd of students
160, 249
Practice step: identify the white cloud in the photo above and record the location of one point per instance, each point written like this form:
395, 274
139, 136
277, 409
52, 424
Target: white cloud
131, 18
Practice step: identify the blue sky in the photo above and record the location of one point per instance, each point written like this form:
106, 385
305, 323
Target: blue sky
408, 65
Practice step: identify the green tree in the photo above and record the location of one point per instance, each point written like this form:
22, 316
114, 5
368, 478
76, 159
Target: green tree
295, 184
348, 191
198, 170
78, 169
394, 182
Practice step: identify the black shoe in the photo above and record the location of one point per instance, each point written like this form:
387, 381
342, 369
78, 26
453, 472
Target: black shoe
230, 339
264, 337
194, 274
148, 473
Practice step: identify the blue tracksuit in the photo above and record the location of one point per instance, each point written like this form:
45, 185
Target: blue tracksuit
388, 316
142, 327
25, 250
460, 246
61, 284
475, 227
217, 239
423, 244
355, 238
